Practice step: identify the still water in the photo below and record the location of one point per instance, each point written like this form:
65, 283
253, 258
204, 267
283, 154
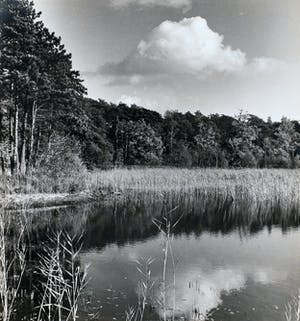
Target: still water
228, 265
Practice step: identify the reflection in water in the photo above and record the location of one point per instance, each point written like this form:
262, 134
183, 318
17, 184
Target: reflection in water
129, 220
203, 291
233, 262
260, 272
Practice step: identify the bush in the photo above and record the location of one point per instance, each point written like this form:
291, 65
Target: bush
60, 168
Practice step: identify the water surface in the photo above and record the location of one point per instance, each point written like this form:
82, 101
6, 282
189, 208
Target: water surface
230, 263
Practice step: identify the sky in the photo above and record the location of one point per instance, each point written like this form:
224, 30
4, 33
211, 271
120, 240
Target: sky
215, 56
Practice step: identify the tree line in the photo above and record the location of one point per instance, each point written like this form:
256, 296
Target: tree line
137, 136
46, 118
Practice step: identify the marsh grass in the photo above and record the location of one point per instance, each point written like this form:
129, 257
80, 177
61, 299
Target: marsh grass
254, 181
61, 279
12, 261
64, 280
270, 188
156, 294
144, 290
244, 188
69, 181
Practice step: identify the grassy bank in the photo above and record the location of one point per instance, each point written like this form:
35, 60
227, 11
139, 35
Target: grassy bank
274, 186
262, 181
40, 200
259, 186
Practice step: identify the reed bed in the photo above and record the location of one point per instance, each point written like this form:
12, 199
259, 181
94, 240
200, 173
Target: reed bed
271, 188
278, 185
263, 183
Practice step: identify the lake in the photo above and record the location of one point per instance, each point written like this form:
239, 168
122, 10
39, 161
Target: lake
229, 263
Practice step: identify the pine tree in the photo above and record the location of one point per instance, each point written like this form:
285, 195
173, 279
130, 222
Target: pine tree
45, 93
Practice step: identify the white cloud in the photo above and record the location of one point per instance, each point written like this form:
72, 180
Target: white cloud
191, 46
188, 47
130, 100
176, 4
265, 64
135, 79
136, 100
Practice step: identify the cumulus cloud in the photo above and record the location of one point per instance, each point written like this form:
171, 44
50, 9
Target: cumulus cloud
188, 47
185, 5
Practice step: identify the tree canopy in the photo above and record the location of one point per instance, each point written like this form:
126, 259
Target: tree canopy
43, 99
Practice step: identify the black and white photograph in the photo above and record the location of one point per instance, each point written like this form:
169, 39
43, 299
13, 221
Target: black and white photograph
149, 160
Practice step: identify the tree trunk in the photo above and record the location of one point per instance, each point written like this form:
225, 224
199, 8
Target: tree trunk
3, 166
36, 146
217, 160
292, 156
16, 151
171, 139
23, 152
116, 141
33, 122
11, 141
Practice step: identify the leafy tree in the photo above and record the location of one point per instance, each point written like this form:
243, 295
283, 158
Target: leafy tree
207, 141
97, 150
113, 115
246, 151
178, 132
140, 145
288, 142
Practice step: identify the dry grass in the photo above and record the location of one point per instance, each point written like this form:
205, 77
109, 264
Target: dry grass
258, 185
12, 261
64, 280
262, 184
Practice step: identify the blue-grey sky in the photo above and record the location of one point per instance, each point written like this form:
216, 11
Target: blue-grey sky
216, 56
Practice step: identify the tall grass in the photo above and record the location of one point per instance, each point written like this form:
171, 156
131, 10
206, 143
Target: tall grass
144, 289
262, 181
70, 182
156, 295
12, 261
64, 280
270, 188
61, 280
276, 186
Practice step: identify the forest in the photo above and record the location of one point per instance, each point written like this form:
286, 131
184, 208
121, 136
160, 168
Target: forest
47, 123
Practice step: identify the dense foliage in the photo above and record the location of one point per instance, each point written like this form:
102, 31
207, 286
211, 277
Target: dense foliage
42, 104
40, 92
186, 139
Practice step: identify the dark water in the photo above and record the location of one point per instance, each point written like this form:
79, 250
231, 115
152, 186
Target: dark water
230, 263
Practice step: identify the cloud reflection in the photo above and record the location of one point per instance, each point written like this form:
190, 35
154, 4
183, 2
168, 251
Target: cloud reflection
199, 293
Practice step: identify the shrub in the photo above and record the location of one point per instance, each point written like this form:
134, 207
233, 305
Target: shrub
60, 168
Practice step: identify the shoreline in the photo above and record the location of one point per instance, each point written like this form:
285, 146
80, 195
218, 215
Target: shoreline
41, 200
